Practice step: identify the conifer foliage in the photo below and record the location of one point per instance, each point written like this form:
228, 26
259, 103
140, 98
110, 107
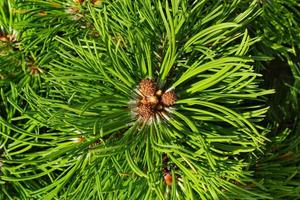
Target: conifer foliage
122, 99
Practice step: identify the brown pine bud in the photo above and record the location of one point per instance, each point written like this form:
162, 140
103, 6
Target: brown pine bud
34, 70
168, 98
147, 87
3, 38
43, 13
168, 179
145, 112
78, 140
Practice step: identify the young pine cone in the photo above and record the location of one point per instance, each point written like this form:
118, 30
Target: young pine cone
168, 98
147, 87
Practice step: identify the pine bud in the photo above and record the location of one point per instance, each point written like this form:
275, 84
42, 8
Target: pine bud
8, 38
34, 70
78, 140
145, 112
3, 38
147, 87
42, 13
168, 98
168, 179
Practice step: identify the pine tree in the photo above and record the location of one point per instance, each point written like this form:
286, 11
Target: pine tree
147, 99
